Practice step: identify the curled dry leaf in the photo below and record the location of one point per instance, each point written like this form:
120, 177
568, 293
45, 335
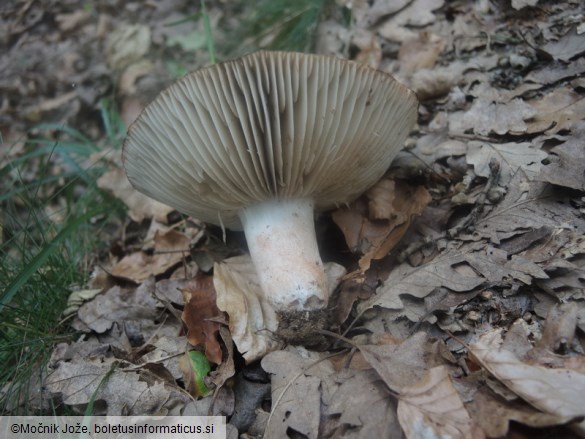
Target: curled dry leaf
392, 206
200, 315
432, 409
252, 319
170, 248
556, 391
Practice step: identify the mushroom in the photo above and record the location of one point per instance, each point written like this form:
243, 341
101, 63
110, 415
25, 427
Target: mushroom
262, 141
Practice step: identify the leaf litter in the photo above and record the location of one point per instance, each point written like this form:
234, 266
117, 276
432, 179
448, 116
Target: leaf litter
455, 258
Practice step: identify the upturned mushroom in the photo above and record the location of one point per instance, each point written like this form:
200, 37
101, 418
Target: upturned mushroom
262, 141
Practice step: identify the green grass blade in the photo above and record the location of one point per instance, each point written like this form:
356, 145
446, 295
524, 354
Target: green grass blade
39, 259
208, 33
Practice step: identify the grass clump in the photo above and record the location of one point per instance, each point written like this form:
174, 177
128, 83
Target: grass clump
281, 25
52, 218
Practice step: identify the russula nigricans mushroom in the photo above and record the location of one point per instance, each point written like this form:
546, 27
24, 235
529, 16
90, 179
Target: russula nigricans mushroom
260, 142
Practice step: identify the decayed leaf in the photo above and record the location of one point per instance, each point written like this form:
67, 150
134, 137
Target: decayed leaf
486, 117
565, 164
418, 13
123, 392
361, 408
166, 352
227, 368
119, 305
569, 46
510, 157
559, 328
369, 13
449, 270
527, 206
556, 391
200, 315
296, 394
401, 364
558, 110
391, 208
252, 320
170, 248
128, 43
493, 415
520, 4
139, 206
432, 409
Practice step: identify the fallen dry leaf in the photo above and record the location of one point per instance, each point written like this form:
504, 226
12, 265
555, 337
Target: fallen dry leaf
564, 166
449, 270
494, 415
527, 206
296, 392
392, 205
126, 44
510, 157
170, 248
252, 319
432, 408
417, 14
139, 206
556, 391
118, 305
559, 328
486, 117
361, 408
200, 316
558, 110
122, 392
568, 46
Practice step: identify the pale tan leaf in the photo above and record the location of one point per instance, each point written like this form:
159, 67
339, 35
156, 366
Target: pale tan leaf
555, 391
361, 408
432, 409
119, 305
252, 319
296, 391
170, 248
494, 414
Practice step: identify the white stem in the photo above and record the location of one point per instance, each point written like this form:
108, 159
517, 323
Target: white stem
283, 246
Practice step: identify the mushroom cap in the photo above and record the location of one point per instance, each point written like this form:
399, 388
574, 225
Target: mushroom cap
270, 125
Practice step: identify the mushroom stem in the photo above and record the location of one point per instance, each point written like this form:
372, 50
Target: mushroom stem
283, 246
